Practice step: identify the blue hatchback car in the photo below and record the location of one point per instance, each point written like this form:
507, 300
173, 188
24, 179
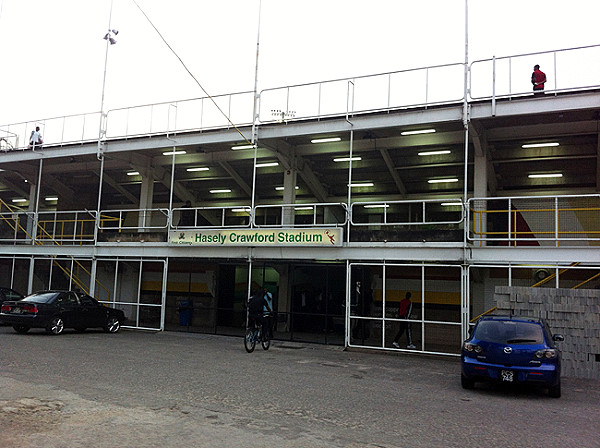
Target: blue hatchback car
511, 349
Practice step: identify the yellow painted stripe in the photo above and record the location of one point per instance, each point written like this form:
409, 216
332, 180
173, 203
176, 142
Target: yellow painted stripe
433, 297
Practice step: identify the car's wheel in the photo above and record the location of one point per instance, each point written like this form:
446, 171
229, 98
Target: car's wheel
466, 383
80, 329
56, 326
113, 325
22, 329
554, 391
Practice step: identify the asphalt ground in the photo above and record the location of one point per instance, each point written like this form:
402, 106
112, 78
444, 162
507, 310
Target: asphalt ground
140, 389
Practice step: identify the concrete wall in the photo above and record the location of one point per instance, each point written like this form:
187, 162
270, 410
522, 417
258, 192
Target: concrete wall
573, 313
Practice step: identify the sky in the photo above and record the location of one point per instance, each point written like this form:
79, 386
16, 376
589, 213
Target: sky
53, 54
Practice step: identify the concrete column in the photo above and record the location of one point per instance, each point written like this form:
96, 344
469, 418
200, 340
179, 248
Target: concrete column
31, 274
289, 196
31, 208
480, 190
93, 273
146, 193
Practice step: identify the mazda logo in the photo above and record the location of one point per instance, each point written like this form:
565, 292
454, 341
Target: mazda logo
507, 350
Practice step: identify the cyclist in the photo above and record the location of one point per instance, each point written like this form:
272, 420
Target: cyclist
256, 306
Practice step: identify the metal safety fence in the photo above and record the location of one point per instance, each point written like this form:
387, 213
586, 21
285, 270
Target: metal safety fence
535, 221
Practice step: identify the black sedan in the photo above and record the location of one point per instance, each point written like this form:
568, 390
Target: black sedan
57, 310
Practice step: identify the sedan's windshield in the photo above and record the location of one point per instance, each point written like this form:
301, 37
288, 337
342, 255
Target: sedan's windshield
509, 332
45, 297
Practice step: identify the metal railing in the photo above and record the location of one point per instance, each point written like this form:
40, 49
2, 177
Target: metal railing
540, 220
56, 131
567, 220
510, 76
492, 78
16, 226
67, 226
407, 213
210, 217
134, 219
418, 87
195, 114
327, 214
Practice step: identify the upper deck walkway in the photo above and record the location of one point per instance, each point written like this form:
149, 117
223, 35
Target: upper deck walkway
494, 86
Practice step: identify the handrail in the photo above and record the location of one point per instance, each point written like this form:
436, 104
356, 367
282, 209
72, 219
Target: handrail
491, 310
61, 223
39, 242
553, 275
548, 230
288, 213
13, 221
552, 75
55, 135
344, 107
202, 216
142, 213
586, 281
197, 119
384, 205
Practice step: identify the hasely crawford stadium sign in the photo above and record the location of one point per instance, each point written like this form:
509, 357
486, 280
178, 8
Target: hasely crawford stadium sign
257, 237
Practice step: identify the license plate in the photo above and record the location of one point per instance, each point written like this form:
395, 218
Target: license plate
507, 376
17, 310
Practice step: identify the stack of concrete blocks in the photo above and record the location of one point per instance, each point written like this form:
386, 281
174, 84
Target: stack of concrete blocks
574, 313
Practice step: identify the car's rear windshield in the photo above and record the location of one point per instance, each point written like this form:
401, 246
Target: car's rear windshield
509, 332
45, 297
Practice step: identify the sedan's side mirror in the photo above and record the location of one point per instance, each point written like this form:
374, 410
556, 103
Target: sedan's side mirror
558, 337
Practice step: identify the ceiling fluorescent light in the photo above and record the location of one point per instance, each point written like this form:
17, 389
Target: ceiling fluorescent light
174, 153
283, 188
133, 173
421, 131
303, 208
225, 190
377, 206
439, 181
202, 168
51, 198
451, 204
434, 153
266, 164
235, 148
538, 176
241, 210
326, 140
347, 159
19, 200
362, 184
540, 145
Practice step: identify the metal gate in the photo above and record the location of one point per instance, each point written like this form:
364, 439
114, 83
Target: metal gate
373, 295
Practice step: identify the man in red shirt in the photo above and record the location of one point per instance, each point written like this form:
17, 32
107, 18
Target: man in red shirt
538, 78
404, 311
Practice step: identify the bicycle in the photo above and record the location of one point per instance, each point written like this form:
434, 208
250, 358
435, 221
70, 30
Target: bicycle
256, 334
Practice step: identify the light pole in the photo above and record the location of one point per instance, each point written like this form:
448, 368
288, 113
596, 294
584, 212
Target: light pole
109, 37
110, 40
